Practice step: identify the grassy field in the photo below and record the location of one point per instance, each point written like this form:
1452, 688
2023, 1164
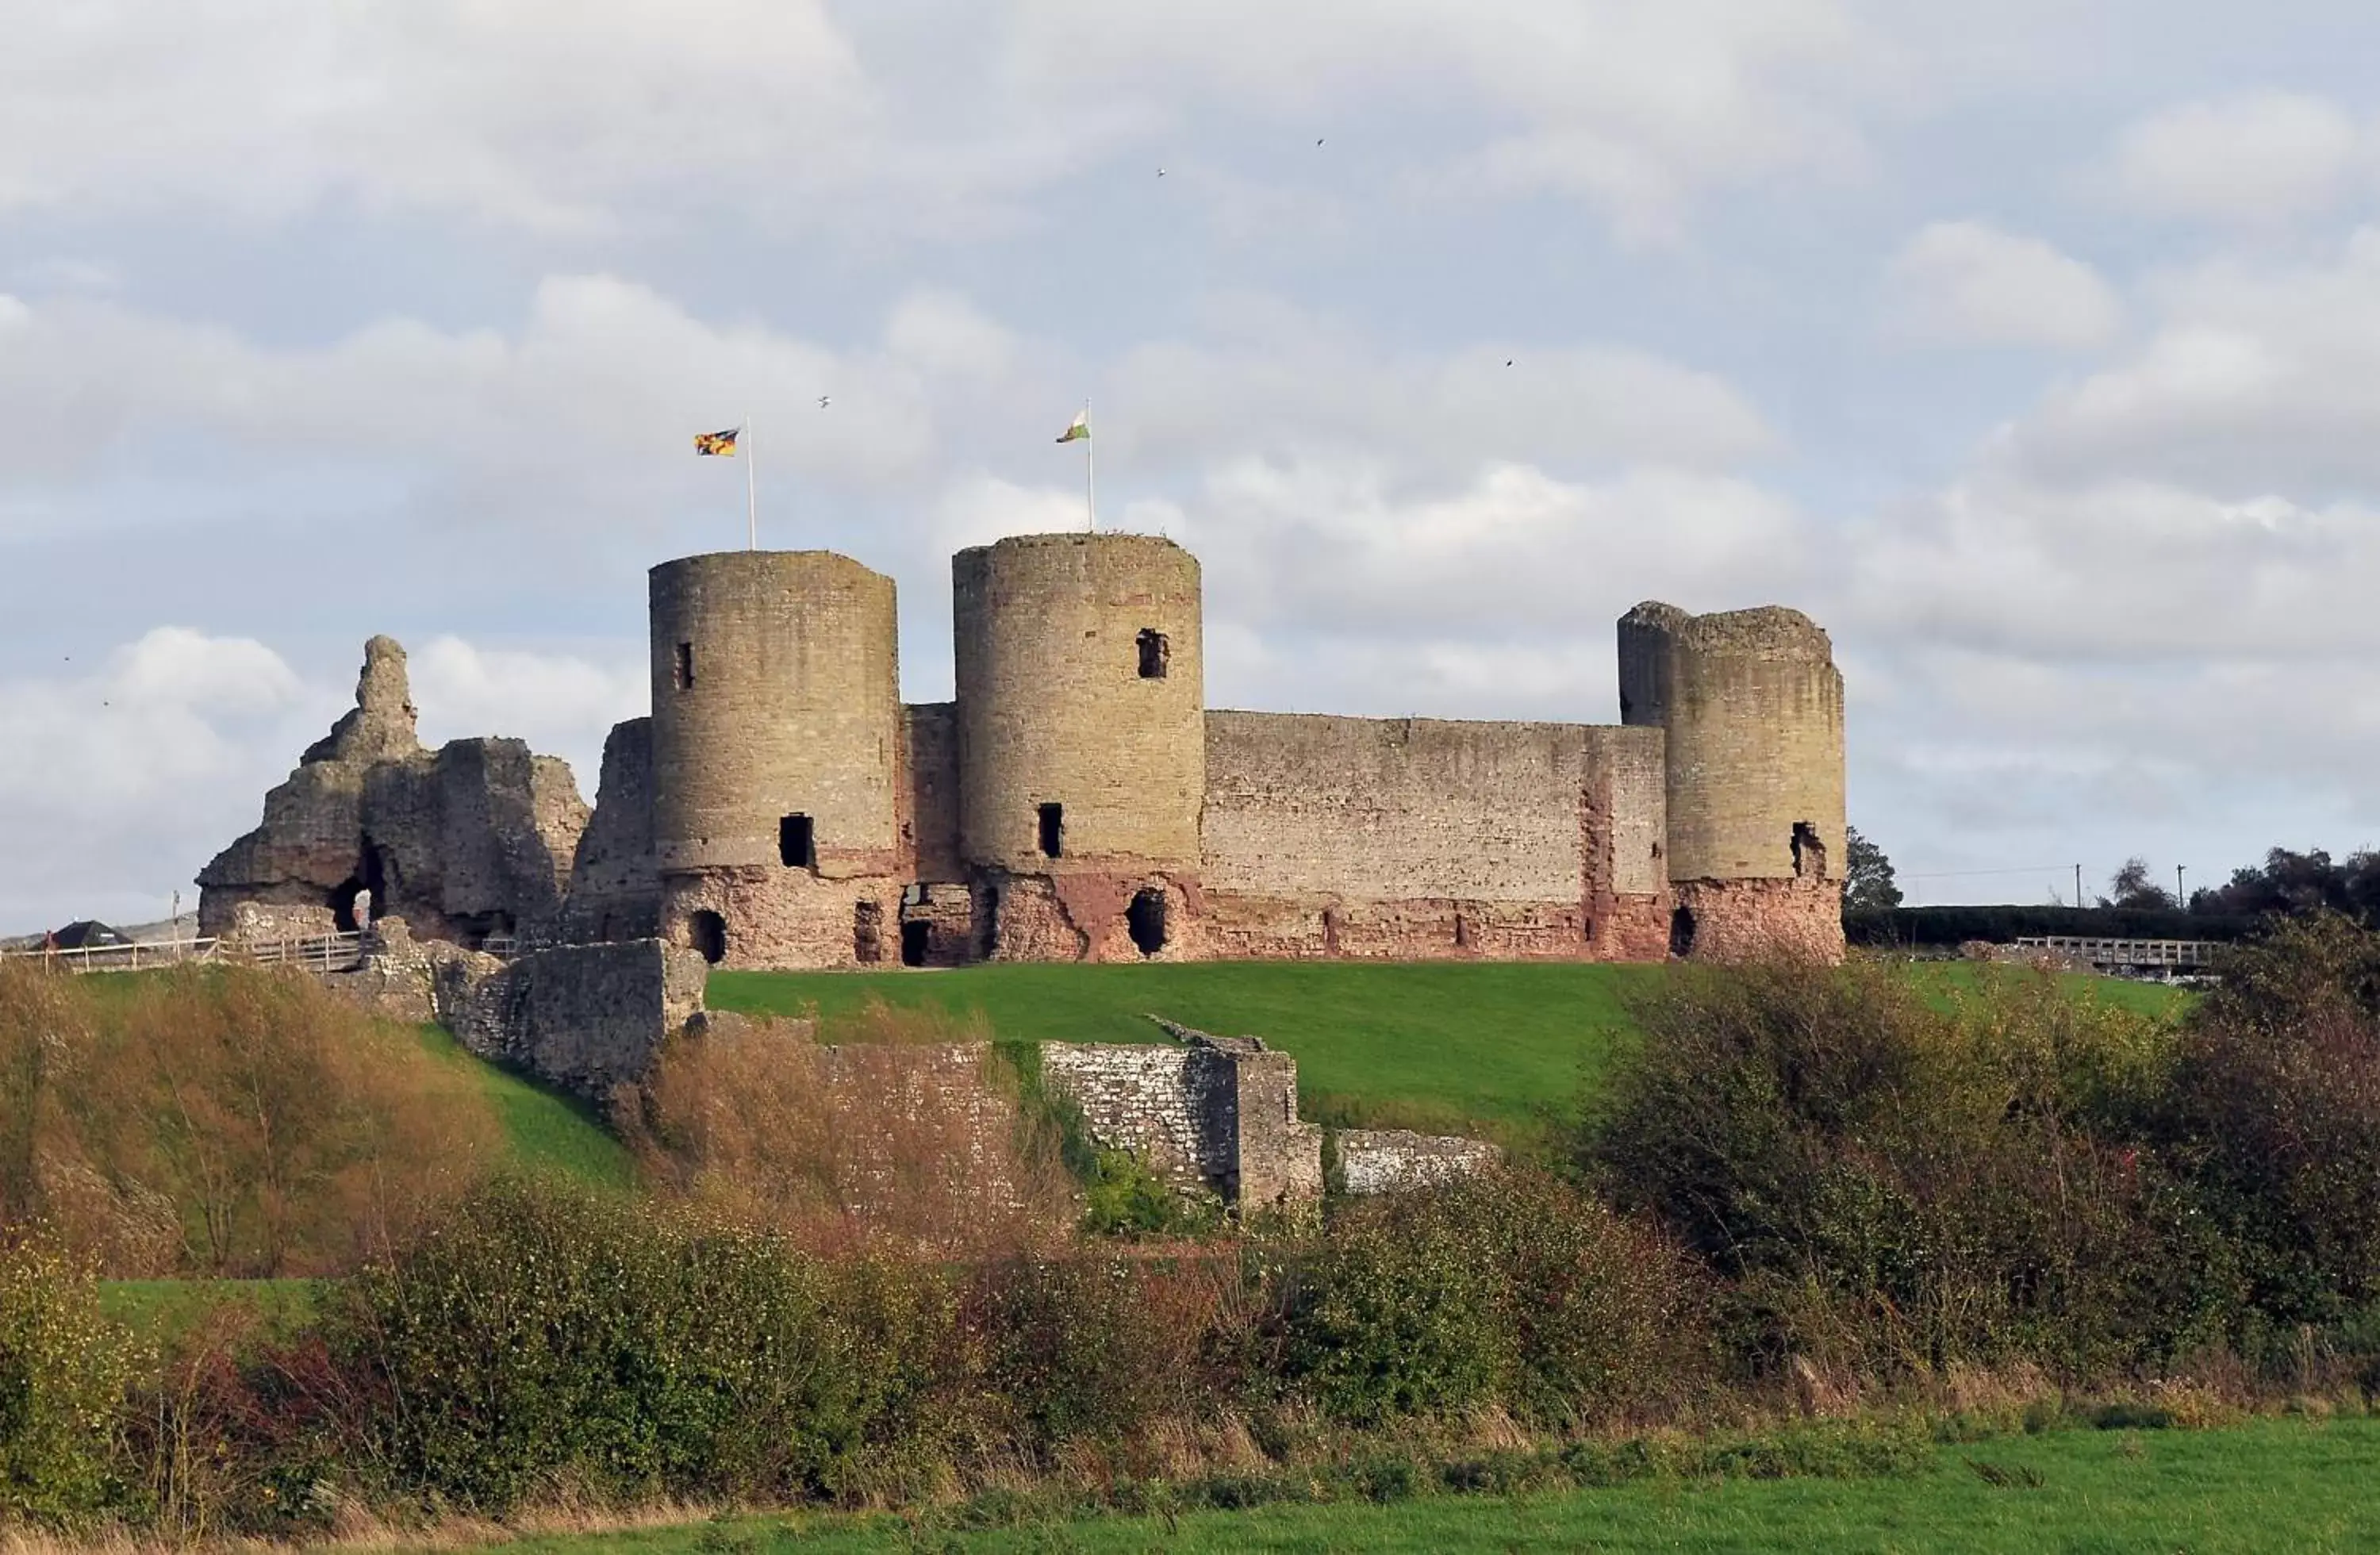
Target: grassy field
547, 1130
1421, 1042
2270, 1485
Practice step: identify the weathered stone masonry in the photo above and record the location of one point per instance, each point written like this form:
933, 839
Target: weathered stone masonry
1078, 801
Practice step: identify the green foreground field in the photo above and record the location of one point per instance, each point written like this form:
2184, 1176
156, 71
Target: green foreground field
2271, 1486
1450, 1043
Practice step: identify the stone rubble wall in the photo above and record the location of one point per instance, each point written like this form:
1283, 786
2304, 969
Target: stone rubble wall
1218, 1113
1377, 1160
586, 1018
1150, 1101
472, 839
615, 889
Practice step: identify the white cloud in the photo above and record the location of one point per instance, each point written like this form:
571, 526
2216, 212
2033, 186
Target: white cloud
120, 780
539, 113
1968, 284
589, 403
1272, 379
1637, 109
2258, 157
2258, 378
562, 704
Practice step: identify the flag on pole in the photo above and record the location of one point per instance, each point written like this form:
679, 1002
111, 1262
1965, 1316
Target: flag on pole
721, 443
1080, 430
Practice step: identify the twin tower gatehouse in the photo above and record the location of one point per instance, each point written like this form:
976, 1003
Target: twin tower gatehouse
1078, 800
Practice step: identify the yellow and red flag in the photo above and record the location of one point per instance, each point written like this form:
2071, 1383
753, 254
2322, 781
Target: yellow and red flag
721, 443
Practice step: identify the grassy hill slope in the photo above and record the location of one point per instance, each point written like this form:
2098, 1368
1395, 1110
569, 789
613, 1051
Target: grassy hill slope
1417, 1042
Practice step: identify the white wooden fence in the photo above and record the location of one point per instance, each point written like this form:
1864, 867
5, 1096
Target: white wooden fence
318, 952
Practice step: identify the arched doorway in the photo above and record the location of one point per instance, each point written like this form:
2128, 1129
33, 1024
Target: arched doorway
1146, 919
1681, 932
707, 931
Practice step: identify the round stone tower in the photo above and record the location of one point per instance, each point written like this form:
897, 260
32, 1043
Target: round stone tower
1083, 742
1753, 707
776, 775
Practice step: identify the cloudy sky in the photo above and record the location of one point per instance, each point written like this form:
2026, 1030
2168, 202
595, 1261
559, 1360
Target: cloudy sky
2036, 357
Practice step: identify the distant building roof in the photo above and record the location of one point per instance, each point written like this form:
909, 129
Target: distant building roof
86, 933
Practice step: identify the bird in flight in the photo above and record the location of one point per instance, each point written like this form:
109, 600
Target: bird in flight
822, 399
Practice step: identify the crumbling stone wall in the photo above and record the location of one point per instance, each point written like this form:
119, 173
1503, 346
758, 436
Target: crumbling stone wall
1218, 1112
615, 887
470, 840
586, 1018
1379, 1161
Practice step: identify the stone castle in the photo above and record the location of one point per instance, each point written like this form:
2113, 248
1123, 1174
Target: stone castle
1078, 800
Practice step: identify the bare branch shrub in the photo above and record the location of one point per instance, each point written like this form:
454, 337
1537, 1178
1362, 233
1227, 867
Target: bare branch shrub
913, 1139
225, 1121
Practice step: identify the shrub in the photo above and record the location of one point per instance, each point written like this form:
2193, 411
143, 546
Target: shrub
919, 1143
1510, 1289
1091, 1347
541, 1335
2275, 1116
226, 1121
1126, 1197
63, 1370
1892, 1185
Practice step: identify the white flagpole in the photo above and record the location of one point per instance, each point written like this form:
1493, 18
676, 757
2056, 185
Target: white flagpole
1090, 475
751, 490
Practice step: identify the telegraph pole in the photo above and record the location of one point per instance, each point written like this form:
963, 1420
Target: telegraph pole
2078, 885
2179, 899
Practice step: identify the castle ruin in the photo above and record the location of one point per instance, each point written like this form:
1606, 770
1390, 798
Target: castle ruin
1078, 800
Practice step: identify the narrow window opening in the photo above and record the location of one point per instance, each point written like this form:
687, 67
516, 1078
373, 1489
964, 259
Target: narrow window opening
1461, 933
1054, 831
1146, 919
913, 943
867, 933
1681, 932
685, 674
797, 845
1154, 653
708, 933
1330, 931
1809, 852
987, 926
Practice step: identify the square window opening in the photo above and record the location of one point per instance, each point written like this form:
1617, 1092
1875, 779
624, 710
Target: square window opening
797, 843
1154, 653
1054, 831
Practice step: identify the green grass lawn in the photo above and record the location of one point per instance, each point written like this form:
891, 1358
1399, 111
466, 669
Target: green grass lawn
1445, 1043
547, 1130
165, 1310
2270, 1485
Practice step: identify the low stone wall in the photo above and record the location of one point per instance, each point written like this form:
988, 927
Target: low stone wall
1376, 1161
1218, 1112
586, 1018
